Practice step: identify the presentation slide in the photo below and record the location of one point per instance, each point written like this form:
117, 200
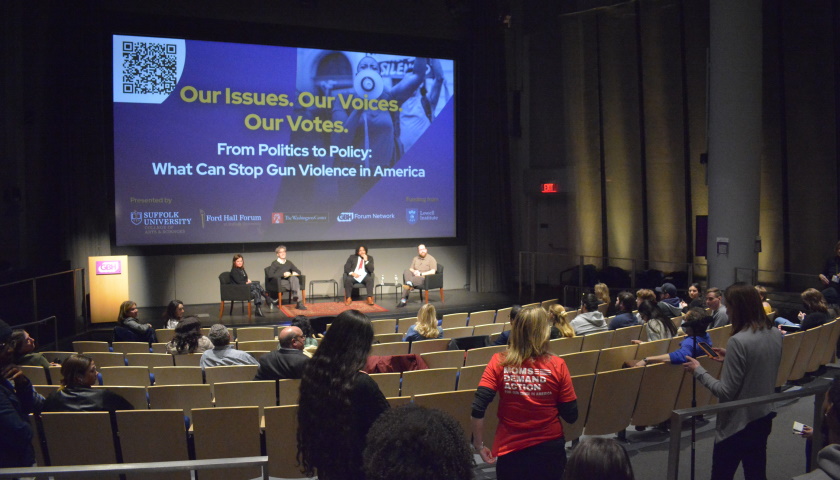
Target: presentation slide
235, 143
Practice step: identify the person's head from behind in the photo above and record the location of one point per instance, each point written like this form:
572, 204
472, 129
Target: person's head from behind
291, 337
427, 321
602, 291
219, 335
128, 309
598, 458
762, 292
303, 324
348, 339
78, 371
187, 326
555, 314
644, 294
514, 311
175, 309
417, 443
589, 303
744, 308
626, 301
814, 301
528, 336
696, 322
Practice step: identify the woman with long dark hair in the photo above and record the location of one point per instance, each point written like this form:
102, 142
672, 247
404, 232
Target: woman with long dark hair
750, 364
173, 314
338, 401
239, 276
188, 338
535, 391
658, 326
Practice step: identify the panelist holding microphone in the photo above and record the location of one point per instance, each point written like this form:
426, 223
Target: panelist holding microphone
358, 269
287, 274
421, 265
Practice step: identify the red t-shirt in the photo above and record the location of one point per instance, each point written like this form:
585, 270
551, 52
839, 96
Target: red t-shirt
528, 398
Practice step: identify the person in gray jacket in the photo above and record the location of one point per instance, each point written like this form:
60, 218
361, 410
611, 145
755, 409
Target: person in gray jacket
589, 320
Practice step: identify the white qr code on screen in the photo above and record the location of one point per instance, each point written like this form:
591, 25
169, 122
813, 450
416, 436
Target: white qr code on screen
146, 69
149, 67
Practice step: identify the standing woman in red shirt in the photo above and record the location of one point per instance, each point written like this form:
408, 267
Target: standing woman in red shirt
534, 388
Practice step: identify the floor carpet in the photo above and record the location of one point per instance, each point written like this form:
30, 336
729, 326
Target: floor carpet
330, 309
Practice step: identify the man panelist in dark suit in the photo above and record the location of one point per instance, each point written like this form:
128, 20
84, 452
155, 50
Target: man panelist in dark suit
358, 269
287, 274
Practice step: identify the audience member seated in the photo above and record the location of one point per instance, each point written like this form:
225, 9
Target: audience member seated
505, 336
188, 338
426, 326
599, 458
288, 361
23, 347
303, 323
560, 328
417, 443
626, 303
830, 277
643, 294
815, 314
714, 301
129, 328
657, 325
78, 374
173, 314
695, 324
694, 298
669, 302
828, 459
223, 352
602, 291
589, 320
762, 292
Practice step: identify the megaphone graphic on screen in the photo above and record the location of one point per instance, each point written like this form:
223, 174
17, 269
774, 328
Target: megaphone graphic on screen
370, 83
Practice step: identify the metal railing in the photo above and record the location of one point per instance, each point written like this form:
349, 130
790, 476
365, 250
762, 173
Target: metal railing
150, 467
53, 318
815, 388
78, 286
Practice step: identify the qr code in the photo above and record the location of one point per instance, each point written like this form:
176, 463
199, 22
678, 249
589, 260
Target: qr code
149, 67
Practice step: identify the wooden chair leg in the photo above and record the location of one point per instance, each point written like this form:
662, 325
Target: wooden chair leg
426, 294
279, 299
221, 309
249, 312
303, 296
441, 296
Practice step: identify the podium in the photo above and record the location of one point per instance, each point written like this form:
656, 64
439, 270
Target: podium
108, 281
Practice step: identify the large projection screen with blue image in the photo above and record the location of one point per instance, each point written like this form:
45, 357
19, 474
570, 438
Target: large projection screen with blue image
236, 143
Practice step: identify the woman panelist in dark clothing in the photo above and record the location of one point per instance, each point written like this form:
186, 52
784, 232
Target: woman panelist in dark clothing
338, 401
239, 276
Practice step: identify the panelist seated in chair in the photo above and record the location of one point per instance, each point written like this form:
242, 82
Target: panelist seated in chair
358, 270
421, 265
287, 275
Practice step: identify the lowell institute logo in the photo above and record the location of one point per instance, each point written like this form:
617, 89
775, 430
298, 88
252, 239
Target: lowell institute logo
411, 215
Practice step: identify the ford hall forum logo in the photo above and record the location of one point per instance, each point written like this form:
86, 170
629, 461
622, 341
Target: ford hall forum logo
136, 217
411, 215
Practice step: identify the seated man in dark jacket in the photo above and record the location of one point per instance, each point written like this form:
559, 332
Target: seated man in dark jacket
288, 361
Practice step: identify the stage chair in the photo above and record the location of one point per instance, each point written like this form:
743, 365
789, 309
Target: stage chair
564, 346
187, 360
482, 356
130, 347
404, 323
657, 394
178, 375
158, 347
258, 345
153, 436
107, 359
704, 395
458, 332
150, 359
46, 390
597, 341
546, 304
125, 376
281, 440
806, 348
165, 335
251, 393
387, 337
447, 359
610, 412
614, 358
488, 329
136, 396
227, 432
790, 348
582, 363
470, 376
393, 348
231, 292
454, 320
583, 389
503, 315
182, 397
55, 356
483, 317
396, 402
36, 374
623, 335
427, 346
456, 404
603, 308
431, 282
288, 391
79, 438
84, 346
276, 288
248, 334
428, 381
389, 383
720, 335
384, 326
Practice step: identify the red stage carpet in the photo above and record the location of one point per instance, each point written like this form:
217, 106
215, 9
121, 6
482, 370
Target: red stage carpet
330, 308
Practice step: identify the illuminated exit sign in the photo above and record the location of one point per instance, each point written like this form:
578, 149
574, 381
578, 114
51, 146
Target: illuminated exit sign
549, 188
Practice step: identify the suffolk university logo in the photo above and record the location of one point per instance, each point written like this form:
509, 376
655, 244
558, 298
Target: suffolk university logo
136, 217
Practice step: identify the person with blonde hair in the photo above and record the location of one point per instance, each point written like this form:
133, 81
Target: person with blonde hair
602, 291
560, 328
535, 391
426, 326
643, 294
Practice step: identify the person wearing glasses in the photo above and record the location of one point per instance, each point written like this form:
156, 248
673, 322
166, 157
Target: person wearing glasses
286, 362
78, 375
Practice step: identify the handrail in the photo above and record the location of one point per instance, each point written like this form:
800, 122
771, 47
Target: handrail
147, 467
55, 274
78, 283
818, 386
44, 320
